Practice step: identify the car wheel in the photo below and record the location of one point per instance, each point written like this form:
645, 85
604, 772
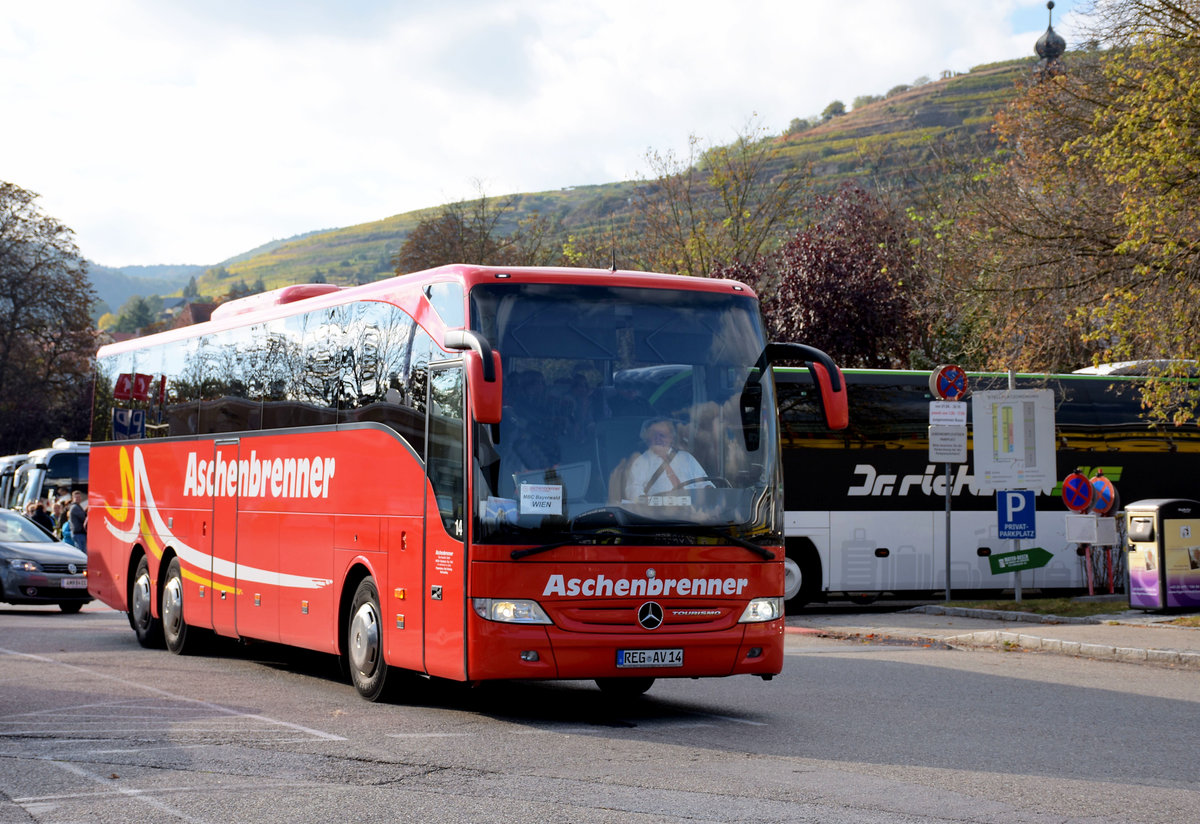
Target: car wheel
71, 607
146, 627
174, 628
364, 642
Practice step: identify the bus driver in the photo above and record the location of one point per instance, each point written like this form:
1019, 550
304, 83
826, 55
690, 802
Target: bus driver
662, 468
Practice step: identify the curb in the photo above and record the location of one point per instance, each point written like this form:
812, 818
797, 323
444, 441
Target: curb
999, 639
1005, 640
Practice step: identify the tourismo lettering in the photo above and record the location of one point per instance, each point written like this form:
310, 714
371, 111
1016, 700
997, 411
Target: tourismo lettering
602, 587
254, 478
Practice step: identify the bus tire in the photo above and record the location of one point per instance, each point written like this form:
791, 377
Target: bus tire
146, 627
624, 687
174, 628
801, 574
364, 642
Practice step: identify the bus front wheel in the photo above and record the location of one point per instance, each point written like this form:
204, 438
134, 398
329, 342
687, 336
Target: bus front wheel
364, 642
146, 627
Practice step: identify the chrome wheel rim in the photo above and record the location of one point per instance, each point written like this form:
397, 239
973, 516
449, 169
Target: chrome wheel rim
364, 639
141, 601
172, 606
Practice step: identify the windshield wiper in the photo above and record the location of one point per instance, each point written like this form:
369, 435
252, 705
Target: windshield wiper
762, 552
572, 538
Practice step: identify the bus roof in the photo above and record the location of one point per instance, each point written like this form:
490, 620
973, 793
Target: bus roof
298, 298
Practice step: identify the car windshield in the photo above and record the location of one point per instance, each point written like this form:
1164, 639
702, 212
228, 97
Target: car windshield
19, 529
624, 409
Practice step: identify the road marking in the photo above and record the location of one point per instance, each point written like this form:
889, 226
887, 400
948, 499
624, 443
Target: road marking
136, 795
429, 734
217, 708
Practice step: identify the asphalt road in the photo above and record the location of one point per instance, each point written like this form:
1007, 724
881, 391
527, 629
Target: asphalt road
94, 728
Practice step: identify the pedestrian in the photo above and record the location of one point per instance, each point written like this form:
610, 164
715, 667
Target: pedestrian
36, 512
77, 516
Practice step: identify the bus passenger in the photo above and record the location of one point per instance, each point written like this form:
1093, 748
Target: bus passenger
662, 468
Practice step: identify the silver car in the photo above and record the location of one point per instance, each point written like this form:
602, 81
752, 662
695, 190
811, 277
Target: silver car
37, 568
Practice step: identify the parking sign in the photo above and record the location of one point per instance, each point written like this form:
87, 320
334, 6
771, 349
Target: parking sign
1017, 513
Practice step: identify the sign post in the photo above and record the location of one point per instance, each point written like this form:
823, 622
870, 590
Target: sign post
948, 432
1014, 443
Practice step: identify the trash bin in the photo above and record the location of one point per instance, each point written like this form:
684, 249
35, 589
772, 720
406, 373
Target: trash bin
1164, 553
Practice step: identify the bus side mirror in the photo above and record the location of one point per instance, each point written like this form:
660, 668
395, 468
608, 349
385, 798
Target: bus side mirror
833, 401
486, 396
826, 375
484, 382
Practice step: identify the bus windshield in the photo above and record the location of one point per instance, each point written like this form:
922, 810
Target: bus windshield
629, 411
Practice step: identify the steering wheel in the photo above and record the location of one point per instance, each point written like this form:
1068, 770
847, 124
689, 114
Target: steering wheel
715, 480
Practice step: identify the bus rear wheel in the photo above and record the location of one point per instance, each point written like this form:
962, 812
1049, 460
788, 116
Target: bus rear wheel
174, 628
146, 627
364, 642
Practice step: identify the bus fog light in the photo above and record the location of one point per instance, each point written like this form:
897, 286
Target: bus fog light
762, 609
755, 652
510, 611
530, 655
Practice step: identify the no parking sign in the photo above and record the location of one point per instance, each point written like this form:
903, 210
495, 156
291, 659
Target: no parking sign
1104, 494
948, 383
1077, 492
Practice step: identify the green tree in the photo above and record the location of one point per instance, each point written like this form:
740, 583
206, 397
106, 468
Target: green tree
835, 109
136, 313
46, 335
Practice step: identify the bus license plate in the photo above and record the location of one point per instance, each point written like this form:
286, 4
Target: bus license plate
74, 583
650, 658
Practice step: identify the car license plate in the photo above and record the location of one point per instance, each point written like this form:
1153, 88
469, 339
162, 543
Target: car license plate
74, 583
649, 658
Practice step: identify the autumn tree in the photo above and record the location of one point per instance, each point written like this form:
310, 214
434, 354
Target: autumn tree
46, 335
1081, 241
1143, 143
848, 282
717, 207
472, 232
1026, 240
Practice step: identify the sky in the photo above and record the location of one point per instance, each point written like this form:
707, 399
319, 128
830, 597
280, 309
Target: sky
191, 131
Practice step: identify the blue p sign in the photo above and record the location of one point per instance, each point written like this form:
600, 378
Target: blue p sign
1017, 513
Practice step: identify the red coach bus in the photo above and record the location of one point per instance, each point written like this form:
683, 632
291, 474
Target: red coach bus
469, 473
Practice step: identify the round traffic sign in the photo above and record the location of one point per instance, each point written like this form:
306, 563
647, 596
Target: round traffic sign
1077, 492
1104, 495
948, 382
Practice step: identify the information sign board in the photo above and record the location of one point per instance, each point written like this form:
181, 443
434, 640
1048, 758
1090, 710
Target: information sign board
1014, 439
948, 444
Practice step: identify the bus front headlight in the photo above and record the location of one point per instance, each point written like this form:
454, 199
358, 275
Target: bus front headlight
510, 610
762, 609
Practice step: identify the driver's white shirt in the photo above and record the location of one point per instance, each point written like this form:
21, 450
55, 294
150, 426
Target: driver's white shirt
685, 467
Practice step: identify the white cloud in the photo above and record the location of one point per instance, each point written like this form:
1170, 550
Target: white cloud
193, 131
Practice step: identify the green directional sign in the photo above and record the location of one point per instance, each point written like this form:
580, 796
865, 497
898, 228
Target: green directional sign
1031, 558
